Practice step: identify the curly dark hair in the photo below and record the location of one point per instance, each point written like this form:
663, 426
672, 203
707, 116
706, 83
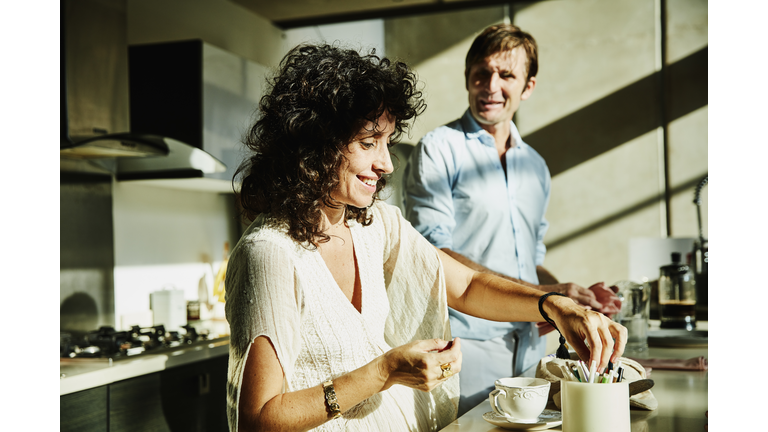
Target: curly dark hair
318, 101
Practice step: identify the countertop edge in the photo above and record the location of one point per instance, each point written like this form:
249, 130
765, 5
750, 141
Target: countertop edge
107, 373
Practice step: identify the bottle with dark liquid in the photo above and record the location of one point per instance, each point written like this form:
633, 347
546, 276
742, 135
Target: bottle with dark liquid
677, 295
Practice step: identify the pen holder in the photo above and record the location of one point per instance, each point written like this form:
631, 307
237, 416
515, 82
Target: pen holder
595, 407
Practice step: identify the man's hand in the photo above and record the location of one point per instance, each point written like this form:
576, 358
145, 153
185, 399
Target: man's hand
582, 296
596, 297
607, 297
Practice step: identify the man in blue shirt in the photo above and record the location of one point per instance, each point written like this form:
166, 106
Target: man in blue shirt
475, 190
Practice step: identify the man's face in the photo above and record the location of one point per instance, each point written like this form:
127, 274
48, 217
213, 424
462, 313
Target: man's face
497, 85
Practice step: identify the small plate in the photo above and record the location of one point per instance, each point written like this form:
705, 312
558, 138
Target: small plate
547, 419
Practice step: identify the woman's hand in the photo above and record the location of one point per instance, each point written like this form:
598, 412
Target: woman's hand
591, 334
418, 364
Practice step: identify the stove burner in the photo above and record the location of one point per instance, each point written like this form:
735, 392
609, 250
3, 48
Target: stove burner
108, 342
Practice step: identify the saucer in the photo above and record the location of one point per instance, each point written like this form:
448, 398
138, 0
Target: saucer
547, 419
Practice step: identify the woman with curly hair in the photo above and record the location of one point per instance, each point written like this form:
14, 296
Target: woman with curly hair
337, 306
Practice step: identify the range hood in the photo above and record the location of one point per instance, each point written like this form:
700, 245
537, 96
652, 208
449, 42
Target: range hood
114, 145
95, 104
104, 145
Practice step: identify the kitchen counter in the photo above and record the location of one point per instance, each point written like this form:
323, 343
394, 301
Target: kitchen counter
79, 374
682, 397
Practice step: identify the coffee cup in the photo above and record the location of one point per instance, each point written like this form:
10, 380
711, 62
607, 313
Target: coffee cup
595, 407
521, 398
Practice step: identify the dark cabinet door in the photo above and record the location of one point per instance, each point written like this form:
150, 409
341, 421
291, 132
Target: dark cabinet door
135, 405
84, 411
189, 398
194, 396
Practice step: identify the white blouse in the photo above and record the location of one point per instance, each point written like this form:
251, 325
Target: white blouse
279, 289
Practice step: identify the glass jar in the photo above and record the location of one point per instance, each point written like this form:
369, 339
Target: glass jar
677, 295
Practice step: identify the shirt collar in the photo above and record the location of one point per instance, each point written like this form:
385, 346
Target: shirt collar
472, 130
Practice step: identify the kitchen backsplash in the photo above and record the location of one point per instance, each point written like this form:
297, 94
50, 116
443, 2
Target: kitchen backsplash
121, 241
167, 238
86, 252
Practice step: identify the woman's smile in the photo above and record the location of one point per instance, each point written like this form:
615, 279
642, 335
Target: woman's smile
367, 159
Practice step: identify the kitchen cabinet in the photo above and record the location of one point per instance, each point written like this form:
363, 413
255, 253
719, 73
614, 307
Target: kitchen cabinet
84, 411
189, 398
135, 405
132, 405
194, 397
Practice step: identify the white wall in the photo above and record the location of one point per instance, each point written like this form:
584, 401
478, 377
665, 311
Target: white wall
360, 35
166, 238
218, 22
592, 54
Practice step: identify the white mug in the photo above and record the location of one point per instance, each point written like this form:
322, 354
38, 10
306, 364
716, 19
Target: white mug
595, 407
521, 398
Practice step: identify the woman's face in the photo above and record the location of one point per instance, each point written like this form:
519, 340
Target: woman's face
367, 159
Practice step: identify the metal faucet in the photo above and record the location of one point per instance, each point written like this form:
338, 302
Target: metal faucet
701, 255
697, 201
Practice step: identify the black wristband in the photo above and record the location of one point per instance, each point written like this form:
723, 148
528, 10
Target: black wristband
541, 308
562, 351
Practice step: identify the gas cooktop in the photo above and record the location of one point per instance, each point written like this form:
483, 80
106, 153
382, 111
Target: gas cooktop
106, 342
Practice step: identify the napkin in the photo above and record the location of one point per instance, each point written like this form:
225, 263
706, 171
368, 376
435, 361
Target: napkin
550, 369
695, 363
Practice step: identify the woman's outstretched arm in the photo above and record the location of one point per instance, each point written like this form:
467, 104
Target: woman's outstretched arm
591, 334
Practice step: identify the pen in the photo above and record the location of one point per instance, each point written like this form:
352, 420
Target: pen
619, 371
575, 371
610, 374
568, 374
592, 371
584, 371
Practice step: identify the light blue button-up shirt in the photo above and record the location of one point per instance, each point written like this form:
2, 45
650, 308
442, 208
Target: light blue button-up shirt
458, 195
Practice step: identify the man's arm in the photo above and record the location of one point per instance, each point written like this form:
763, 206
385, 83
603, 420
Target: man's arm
545, 277
581, 295
477, 267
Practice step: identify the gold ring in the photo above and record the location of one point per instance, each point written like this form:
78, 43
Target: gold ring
446, 368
